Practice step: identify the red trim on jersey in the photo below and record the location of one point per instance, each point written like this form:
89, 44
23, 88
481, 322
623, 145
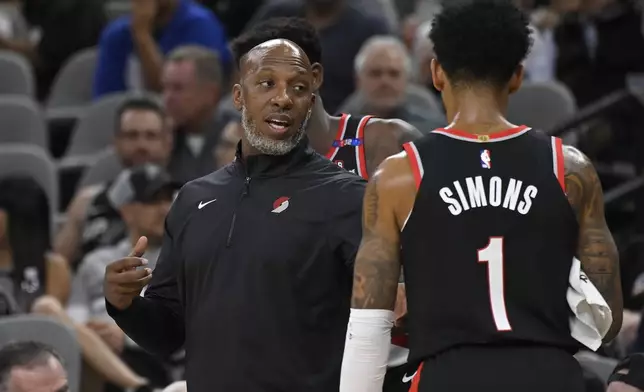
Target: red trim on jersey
493, 136
338, 135
362, 161
560, 163
400, 341
413, 162
415, 383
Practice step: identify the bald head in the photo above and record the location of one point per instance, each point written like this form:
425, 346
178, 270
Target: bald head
275, 94
276, 51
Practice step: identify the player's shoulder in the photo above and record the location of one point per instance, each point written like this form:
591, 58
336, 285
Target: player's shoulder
386, 136
575, 160
396, 127
580, 176
395, 171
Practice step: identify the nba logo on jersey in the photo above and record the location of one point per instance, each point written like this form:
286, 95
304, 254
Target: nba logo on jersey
339, 163
486, 161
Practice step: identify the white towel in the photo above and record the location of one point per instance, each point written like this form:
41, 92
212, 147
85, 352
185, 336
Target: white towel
397, 356
593, 317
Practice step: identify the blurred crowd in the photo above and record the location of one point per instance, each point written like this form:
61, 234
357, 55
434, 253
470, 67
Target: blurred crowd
133, 99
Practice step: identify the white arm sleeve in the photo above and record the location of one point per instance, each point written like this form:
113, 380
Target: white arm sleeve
366, 350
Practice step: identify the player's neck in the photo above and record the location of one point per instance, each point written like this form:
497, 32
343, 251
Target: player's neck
478, 111
320, 128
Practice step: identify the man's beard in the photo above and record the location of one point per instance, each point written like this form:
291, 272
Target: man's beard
266, 145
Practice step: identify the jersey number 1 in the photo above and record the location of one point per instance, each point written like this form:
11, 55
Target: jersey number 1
492, 254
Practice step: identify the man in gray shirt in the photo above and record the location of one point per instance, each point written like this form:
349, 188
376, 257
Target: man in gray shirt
143, 196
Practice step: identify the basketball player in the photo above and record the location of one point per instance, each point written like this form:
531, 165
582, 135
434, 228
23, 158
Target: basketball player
358, 144
486, 217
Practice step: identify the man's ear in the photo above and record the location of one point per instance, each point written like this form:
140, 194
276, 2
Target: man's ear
318, 75
438, 75
238, 101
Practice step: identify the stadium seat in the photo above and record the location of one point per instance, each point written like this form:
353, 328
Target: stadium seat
34, 162
104, 169
22, 121
16, 75
541, 105
48, 331
73, 85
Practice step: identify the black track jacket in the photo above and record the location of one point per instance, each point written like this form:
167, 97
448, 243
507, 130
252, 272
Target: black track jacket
255, 275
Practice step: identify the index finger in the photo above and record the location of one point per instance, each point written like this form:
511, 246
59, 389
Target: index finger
126, 263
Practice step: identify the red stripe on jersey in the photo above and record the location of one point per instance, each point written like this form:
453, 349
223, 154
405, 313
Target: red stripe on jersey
362, 161
558, 151
471, 136
413, 162
338, 135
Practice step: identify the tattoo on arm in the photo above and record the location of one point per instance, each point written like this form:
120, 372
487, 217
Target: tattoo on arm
596, 248
377, 266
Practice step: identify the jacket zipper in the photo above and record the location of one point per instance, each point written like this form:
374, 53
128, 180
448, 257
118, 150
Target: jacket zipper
234, 219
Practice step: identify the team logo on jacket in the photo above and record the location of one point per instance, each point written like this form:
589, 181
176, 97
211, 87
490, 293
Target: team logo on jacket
280, 205
486, 159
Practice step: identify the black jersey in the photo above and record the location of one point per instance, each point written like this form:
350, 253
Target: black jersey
347, 149
488, 247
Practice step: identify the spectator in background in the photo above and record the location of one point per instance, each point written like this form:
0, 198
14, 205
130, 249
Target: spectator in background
27, 268
142, 136
584, 42
142, 195
234, 14
225, 150
31, 367
64, 28
343, 29
13, 24
383, 72
132, 48
192, 83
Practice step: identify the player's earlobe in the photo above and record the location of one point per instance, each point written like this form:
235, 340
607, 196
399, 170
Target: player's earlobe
237, 97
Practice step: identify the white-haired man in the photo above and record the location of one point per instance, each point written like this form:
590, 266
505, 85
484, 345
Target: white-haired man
383, 70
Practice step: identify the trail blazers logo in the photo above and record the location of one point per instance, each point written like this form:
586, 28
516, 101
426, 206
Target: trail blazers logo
280, 205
